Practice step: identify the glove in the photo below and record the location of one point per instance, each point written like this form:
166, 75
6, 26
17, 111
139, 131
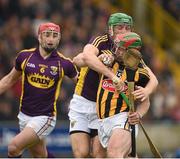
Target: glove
107, 59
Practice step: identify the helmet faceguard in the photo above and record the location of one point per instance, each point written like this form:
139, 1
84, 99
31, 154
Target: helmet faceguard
118, 19
126, 48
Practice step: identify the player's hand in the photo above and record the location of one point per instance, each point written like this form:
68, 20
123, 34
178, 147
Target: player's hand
133, 118
140, 93
118, 84
107, 59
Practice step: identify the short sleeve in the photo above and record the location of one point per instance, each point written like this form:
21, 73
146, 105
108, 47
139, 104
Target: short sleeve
19, 60
143, 77
99, 41
69, 68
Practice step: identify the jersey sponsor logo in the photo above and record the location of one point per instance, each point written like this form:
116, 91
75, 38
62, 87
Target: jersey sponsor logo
53, 70
107, 84
40, 81
31, 65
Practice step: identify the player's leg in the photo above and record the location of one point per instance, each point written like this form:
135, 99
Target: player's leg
114, 134
79, 131
39, 149
24, 139
119, 143
79, 134
43, 126
80, 144
97, 150
33, 129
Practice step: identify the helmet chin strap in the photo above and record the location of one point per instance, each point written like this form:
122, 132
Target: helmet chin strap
111, 32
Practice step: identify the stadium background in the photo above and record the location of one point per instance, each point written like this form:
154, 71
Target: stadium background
157, 21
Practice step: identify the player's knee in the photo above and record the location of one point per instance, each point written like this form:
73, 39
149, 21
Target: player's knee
39, 154
13, 150
99, 153
83, 153
112, 152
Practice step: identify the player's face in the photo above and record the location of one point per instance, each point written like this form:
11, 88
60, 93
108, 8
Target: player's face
121, 29
49, 40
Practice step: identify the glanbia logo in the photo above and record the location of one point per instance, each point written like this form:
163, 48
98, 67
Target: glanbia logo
108, 85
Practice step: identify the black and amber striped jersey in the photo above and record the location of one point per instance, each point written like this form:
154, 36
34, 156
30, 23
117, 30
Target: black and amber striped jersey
88, 79
109, 101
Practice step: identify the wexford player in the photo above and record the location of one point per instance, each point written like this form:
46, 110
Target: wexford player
42, 70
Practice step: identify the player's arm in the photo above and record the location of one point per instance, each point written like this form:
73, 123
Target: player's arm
107, 59
9, 80
143, 93
90, 53
79, 61
142, 109
153, 82
70, 70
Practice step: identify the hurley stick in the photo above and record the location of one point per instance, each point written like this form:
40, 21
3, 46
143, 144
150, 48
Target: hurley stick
131, 61
153, 148
133, 133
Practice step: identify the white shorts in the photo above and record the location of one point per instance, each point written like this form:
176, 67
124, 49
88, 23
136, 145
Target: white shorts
108, 124
82, 114
42, 125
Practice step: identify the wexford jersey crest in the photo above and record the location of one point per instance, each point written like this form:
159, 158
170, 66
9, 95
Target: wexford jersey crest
54, 70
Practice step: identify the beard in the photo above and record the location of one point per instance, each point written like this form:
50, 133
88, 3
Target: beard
48, 50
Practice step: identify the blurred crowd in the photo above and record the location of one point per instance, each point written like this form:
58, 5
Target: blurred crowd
79, 20
172, 7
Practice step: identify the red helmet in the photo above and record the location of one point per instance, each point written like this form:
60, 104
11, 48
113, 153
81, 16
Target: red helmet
49, 26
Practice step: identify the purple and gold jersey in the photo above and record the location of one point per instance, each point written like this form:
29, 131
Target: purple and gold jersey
41, 80
88, 79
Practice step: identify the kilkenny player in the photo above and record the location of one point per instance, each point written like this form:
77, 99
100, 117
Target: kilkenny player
82, 114
114, 131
